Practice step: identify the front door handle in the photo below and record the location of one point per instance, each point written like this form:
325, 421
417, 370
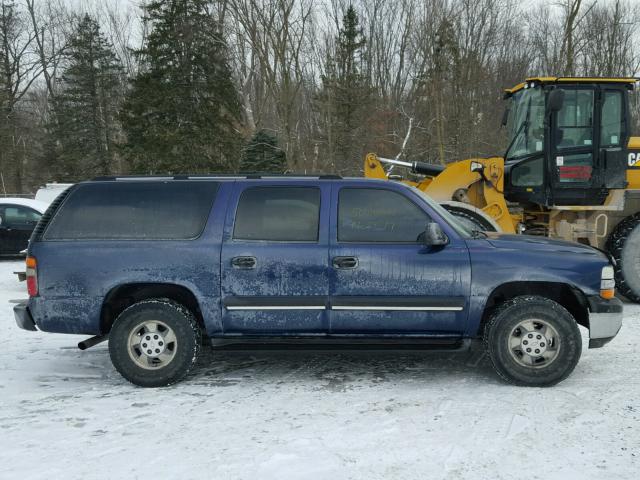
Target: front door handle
345, 263
244, 263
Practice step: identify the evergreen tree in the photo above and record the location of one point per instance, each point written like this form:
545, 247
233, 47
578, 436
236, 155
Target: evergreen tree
262, 155
183, 111
345, 97
84, 117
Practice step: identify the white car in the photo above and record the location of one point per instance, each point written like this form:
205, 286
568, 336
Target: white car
18, 218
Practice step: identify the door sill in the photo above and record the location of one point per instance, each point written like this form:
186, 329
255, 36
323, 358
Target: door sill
342, 342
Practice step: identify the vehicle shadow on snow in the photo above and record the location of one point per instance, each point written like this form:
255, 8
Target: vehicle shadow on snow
339, 369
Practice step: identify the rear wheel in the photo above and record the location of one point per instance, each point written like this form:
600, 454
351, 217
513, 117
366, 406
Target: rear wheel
532, 341
154, 343
624, 245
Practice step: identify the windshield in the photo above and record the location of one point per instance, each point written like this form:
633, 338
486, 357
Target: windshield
460, 229
525, 125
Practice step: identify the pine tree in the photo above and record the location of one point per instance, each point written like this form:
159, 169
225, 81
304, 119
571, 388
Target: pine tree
183, 112
262, 155
345, 97
84, 119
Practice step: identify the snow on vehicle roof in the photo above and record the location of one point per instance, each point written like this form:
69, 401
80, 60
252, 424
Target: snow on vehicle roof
25, 202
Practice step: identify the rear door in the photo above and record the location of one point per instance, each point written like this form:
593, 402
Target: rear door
383, 281
274, 259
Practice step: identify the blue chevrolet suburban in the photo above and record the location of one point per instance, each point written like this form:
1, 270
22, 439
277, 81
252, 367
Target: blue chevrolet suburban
156, 265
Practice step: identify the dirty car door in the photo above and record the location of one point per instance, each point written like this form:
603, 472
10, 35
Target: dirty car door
274, 259
383, 280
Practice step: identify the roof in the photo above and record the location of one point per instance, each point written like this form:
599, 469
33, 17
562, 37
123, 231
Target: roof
630, 81
25, 202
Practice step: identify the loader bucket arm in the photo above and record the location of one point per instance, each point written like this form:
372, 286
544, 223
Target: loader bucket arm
444, 184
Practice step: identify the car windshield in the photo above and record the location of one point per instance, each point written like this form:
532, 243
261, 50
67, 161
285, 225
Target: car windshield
525, 125
460, 229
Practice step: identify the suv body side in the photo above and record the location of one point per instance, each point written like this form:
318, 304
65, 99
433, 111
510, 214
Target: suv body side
398, 288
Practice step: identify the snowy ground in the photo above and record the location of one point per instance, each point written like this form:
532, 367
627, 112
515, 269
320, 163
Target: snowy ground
262, 415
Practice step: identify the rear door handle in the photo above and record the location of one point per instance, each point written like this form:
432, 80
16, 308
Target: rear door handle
244, 263
345, 263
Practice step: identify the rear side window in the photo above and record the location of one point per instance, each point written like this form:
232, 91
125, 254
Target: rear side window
377, 215
134, 210
278, 214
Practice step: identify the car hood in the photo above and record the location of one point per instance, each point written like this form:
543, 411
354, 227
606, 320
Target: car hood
541, 244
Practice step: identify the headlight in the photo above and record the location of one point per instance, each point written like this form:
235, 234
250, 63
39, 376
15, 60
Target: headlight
607, 283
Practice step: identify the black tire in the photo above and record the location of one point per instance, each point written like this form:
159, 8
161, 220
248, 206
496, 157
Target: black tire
470, 219
504, 321
624, 246
168, 316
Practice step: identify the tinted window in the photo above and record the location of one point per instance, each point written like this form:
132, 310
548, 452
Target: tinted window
278, 214
376, 215
528, 174
134, 210
13, 215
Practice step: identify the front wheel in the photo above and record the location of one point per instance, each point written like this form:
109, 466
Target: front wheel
154, 342
532, 341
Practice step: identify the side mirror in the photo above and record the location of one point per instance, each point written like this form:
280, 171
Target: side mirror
477, 167
433, 236
555, 100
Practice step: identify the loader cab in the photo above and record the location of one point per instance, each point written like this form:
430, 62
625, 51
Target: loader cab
567, 140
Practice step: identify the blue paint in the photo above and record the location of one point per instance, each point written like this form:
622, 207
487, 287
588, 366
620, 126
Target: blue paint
75, 276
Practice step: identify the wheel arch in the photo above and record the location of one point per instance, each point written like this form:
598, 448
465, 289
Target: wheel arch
566, 295
123, 296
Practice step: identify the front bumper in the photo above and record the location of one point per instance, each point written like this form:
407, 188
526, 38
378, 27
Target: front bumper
605, 320
23, 317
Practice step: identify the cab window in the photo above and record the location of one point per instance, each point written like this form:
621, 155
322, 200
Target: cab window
575, 120
528, 174
612, 119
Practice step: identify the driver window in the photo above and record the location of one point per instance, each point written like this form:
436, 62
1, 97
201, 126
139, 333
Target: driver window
575, 120
378, 215
20, 216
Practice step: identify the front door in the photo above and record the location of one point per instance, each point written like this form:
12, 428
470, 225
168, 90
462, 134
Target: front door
274, 260
383, 280
17, 223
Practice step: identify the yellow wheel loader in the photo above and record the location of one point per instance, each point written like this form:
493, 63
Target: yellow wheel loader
571, 171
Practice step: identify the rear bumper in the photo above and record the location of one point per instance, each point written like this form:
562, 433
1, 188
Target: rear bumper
23, 317
605, 320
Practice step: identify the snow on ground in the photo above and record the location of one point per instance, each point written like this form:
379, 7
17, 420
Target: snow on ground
328, 415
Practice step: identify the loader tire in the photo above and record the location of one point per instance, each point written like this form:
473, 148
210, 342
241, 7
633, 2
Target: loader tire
470, 220
624, 246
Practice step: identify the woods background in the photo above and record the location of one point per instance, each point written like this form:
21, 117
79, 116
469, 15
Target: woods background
177, 86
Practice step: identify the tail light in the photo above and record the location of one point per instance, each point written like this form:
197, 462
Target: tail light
607, 283
32, 277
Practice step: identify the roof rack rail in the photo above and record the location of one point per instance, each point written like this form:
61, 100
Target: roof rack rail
248, 176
